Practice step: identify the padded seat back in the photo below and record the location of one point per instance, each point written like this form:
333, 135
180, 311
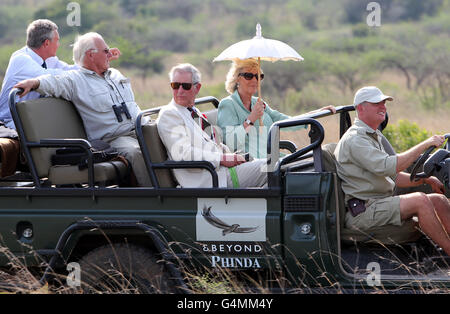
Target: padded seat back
212, 118
158, 154
48, 118
54, 118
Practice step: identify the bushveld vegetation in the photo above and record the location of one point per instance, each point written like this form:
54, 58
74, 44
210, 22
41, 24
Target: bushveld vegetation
406, 56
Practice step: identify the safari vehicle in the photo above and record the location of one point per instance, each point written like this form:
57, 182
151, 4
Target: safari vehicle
151, 237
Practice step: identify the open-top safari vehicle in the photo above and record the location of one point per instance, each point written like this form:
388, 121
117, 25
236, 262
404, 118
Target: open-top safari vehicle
151, 238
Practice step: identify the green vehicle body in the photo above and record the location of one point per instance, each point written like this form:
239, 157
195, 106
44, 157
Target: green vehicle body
301, 225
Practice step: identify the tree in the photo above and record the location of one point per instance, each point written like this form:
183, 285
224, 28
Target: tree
92, 12
293, 75
408, 53
138, 56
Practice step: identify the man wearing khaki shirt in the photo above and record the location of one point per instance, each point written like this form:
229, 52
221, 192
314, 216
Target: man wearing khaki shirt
369, 176
102, 96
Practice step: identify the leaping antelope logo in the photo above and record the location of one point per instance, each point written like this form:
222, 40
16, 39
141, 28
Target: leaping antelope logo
227, 229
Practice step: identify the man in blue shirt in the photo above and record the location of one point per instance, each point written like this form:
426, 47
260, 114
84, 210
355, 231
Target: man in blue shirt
37, 58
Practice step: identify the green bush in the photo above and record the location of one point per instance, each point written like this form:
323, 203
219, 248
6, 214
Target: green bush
405, 135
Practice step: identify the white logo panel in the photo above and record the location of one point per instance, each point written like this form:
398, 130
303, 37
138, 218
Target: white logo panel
241, 219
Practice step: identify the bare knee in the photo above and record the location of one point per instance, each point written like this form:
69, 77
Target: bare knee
422, 203
438, 197
422, 198
439, 200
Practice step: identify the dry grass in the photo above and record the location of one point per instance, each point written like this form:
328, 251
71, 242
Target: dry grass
298, 279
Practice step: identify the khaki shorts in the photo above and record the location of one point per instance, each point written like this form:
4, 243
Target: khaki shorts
379, 212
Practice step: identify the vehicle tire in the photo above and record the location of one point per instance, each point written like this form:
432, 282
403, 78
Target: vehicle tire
123, 268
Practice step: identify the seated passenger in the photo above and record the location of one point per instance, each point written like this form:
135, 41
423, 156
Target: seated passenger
37, 58
187, 136
239, 114
102, 96
369, 176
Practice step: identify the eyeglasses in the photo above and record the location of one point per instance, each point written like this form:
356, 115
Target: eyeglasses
186, 86
249, 76
106, 50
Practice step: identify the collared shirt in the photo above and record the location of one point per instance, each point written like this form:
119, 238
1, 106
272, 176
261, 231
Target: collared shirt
25, 64
365, 168
94, 97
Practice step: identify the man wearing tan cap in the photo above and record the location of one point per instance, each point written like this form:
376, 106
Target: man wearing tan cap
369, 176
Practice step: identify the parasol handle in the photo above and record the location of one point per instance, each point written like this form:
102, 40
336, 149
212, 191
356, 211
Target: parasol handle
259, 88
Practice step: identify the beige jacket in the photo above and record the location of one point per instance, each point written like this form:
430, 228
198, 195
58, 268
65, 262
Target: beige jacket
186, 141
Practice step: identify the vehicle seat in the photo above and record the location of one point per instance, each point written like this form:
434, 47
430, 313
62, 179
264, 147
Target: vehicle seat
158, 154
53, 118
211, 115
388, 234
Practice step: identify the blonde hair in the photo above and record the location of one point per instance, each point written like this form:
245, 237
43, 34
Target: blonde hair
237, 67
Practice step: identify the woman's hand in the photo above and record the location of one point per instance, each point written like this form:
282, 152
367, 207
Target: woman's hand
257, 110
330, 107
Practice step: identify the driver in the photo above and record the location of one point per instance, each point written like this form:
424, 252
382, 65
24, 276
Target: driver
369, 176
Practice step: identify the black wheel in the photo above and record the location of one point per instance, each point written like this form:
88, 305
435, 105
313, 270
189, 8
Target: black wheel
123, 268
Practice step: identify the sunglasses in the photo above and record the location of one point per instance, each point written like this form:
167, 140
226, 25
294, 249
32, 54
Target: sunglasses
249, 76
186, 86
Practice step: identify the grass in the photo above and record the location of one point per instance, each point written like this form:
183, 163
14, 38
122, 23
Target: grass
298, 279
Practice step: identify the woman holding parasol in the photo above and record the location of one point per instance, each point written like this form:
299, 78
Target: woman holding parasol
239, 112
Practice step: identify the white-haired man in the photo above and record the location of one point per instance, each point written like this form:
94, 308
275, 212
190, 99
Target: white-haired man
187, 135
369, 176
103, 97
37, 58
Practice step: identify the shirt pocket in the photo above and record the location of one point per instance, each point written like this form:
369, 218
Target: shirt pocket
125, 90
101, 100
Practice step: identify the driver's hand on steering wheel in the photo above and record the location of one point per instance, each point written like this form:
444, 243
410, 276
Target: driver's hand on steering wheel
435, 140
436, 185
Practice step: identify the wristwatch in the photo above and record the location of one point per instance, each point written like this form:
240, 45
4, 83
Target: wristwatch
249, 122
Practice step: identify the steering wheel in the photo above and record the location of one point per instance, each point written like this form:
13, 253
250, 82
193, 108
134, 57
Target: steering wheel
419, 163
